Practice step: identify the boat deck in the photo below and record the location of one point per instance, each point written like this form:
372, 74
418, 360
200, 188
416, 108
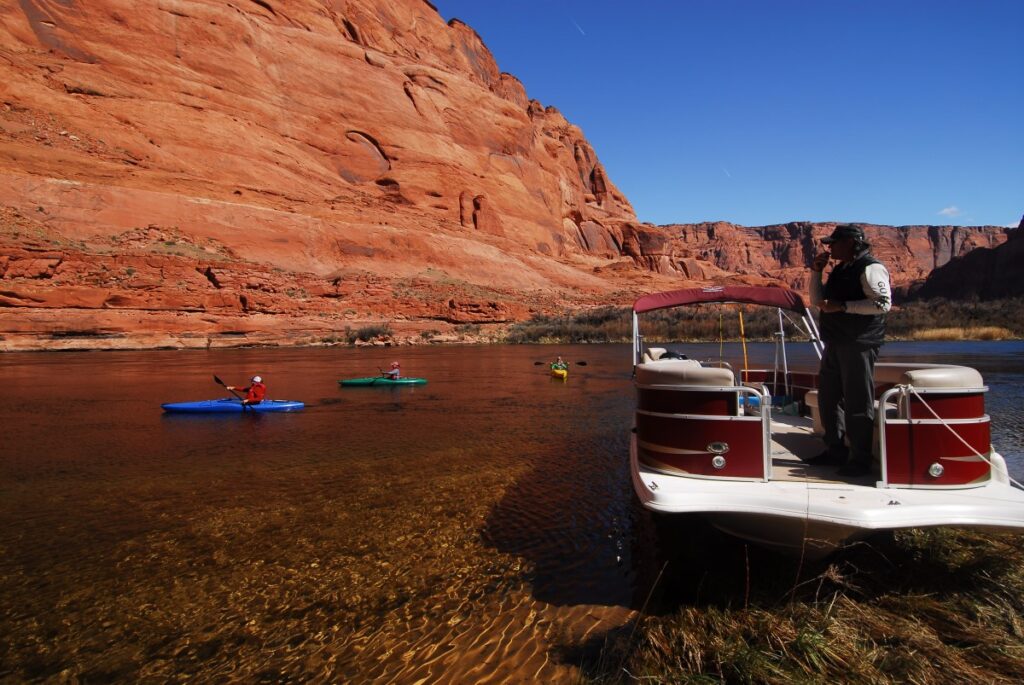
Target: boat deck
792, 439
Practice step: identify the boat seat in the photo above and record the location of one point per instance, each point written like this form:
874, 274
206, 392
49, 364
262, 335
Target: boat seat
683, 372
927, 375
888, 374
654, 353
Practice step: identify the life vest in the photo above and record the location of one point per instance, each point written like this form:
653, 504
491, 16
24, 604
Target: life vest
257, 391
844, 285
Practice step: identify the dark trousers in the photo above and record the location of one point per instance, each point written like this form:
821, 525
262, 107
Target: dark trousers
846, 399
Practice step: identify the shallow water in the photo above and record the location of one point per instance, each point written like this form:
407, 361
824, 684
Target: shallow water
476, 529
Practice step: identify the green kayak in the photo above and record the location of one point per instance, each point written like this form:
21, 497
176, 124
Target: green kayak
381, 381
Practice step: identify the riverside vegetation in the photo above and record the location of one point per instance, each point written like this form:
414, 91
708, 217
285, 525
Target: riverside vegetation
923, 320
917, 606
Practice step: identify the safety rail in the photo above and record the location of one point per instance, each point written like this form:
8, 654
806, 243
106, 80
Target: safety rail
918, 452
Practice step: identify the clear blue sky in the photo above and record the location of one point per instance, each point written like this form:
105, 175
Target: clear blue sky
765, 111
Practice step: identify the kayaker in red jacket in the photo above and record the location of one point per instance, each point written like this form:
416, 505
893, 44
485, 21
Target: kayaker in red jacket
255, 393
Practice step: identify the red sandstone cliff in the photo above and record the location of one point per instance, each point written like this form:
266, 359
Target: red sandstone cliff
193, 173
984, 274
783, 252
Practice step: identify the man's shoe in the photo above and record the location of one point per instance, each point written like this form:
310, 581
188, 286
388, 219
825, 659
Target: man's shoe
854, 469
827, 458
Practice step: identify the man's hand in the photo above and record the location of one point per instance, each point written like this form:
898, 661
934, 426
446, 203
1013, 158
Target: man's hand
820, 262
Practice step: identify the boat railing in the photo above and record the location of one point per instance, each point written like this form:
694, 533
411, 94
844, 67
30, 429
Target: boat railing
934, 438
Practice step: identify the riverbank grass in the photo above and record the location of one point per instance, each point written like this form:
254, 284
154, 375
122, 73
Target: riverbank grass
961, 333
921, 606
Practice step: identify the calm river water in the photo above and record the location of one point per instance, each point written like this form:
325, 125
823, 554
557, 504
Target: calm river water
476, 529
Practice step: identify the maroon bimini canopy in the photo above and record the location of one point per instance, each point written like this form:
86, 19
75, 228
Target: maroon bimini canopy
770, 297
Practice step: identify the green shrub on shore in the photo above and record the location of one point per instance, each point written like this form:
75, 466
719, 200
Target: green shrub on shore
909, 320
967, 320
367, 333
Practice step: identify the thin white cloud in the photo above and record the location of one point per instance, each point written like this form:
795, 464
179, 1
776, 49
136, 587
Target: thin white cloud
726, 172
582, 32
952, 210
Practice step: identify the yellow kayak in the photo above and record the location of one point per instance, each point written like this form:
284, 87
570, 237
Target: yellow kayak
560, 373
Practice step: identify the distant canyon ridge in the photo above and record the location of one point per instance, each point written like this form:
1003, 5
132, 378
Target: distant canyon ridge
192, 173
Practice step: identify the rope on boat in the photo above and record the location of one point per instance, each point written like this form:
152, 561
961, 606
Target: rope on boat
958, 437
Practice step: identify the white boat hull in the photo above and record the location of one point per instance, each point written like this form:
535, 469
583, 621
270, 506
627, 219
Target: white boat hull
814, 517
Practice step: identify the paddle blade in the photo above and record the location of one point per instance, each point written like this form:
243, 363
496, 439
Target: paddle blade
219, 381
537, 363
581, 363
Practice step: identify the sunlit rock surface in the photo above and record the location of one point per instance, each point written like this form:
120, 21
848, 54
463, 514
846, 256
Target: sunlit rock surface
198, 173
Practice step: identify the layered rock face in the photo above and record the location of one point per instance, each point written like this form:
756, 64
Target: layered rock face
984, 274
199, 173
304, 145
783, 252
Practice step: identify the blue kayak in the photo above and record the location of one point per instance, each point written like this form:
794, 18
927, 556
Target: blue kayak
231, 405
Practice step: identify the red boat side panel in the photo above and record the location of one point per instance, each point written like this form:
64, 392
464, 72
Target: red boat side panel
710, 402
681, 444
951, 406
912, 448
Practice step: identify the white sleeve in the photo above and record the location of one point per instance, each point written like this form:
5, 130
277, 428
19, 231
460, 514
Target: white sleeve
877, 293
817, 295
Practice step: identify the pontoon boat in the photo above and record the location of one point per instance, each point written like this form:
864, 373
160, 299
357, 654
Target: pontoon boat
706, 441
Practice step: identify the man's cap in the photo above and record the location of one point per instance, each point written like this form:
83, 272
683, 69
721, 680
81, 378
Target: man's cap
257, 379
846, 231
394, 364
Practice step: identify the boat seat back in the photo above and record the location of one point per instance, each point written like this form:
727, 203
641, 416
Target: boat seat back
683, 372
919, 375
927, 375
653, 354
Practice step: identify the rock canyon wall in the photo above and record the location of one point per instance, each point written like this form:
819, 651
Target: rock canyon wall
193, 173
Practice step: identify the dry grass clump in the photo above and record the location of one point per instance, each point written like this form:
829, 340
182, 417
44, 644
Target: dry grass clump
935, 606
960, 333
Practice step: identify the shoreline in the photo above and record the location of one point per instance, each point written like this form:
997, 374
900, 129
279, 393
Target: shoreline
410, 342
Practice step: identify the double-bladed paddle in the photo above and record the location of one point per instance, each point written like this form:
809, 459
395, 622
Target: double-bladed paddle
220, 382
542, 363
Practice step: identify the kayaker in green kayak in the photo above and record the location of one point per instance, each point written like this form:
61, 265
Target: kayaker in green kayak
255, 393
394, 373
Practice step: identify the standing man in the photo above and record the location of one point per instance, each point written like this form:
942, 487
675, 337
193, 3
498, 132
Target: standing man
853, 303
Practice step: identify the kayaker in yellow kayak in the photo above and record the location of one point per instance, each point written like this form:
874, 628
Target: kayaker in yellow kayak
559, 368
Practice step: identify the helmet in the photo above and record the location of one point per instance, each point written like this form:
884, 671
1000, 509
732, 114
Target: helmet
257, 379
394, 365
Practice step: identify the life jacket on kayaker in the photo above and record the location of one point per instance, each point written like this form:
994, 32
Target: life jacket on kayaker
559, 365
255, 393
394, 373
